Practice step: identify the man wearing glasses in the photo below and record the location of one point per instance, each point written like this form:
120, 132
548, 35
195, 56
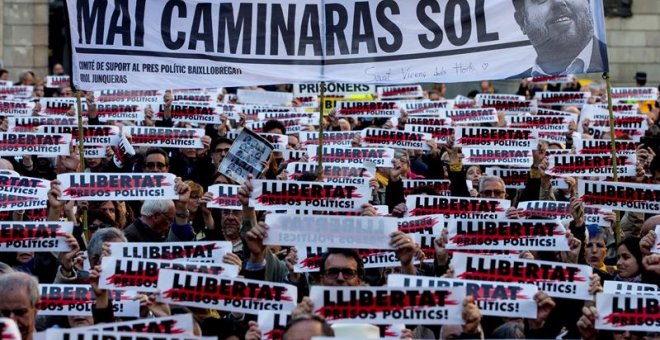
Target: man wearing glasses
156, 161
219, 149
20, 301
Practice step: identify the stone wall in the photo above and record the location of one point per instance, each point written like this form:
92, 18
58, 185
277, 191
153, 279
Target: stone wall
24, 32
634, 43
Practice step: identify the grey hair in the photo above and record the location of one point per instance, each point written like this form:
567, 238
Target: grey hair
12, 282
155, 206
485, 179
5, 268
23, 75
509, 330
95, 246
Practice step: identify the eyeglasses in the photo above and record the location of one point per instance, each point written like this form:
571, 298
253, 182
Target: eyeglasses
490, 193
595, 244
225, 150
96, 226
18, 312
347, 273
153, 165
169, 218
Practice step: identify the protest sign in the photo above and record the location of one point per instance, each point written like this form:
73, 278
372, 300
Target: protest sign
293, 155
95, 152
332, 89
456, 207
225, 196
111, 186
596, 216
57, 106
15, 92
107, 135
539, 123
14, 202
349, 232
632, 288
427, 224
560, 280
264, 97
83, 334
395, 139
57, 81
545, 209
644, 198
510, 105
480, 98
428, 120
266, 115
142, 274
399, 92
425, 107
127, 95
387, 305
512, 300
334, 173
119, 111
16, 108
365, 109
206, 251
165, 137
279, 142
590, 165
623, 108
9, 329
6, 83
28, 124
275, 194
175, 324
34, 236
380, 157
441, 187
632, 133
223, 293
634, 93
600, 118
624, 312
245, 157
78, 300
510, 156
24, 186
480, 136
122, 152
336, 138
562, 98
604, 146
440, 133
544, 111
513, 178
558, 79
190, 112
272, 324
471, 116
26, 143
521, 235
309, 258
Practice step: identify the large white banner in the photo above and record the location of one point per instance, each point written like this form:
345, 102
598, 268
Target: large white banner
137, 44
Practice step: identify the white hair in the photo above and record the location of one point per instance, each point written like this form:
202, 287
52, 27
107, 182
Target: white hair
156, 206
486, 179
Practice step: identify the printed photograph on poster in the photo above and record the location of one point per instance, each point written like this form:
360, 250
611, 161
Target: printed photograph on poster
247, 155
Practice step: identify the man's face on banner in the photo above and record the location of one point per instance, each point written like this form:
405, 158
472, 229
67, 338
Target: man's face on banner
549, 23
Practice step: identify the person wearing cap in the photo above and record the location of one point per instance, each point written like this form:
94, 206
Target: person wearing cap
562, 33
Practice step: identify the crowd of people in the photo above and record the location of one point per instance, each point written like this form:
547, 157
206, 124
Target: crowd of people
629, 260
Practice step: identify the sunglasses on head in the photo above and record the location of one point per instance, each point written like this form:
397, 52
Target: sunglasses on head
97, 226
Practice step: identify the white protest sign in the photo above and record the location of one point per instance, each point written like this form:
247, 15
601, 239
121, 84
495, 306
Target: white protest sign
136, 96
28, 124
20, 91
120, 111
106, 135
558, 79
500, 137
440, 133
456, 207
95, 152
562, 98
24, 186
493, 299
34, 236
14, 202
264, 97
364, 109
634, 93
330, 231
380, 157
84, 334
521, 235
632, 288
624, 312
545, 209
175, 324
395, 139
199, 251
510, 156
165, 137
441, 187
510, 105
272, 324
427, 224
279, 142
78, 300
58, 81
558, 279
57, 106
644, 198
387, 305
225, 196
336, 138
265, 115
332, 89
591, 165
471, 116
191, 112
105, 186
540, 123
400, 92
334, 173
275, 194
26, 143
223, 293
513, 178
604, 146
142, 274
16, 108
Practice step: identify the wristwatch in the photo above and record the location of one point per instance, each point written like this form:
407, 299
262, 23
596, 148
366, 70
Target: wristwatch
183, 214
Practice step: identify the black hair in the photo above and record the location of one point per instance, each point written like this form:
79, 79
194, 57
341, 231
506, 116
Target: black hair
352, 253
655, 165
326, 330
159, 151
220, 140
274, 124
